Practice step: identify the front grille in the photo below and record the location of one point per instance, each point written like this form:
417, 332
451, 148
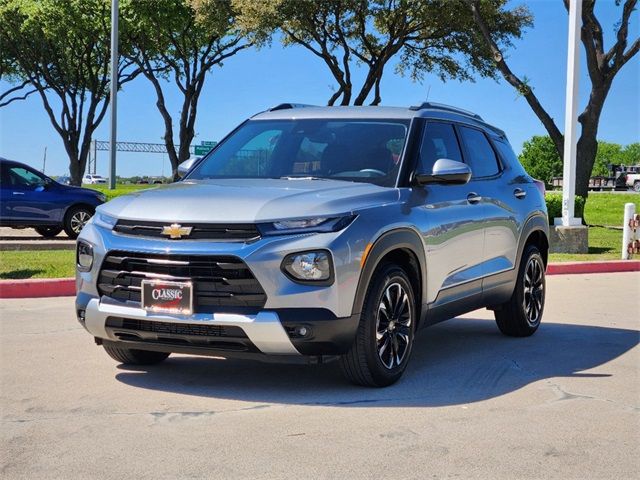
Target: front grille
189, 329
230, 232
220, 283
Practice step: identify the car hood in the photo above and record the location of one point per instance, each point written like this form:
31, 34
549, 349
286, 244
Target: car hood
247, 200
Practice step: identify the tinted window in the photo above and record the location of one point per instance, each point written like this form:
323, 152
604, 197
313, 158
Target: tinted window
354, 150
479, 154
439, 141
21, 177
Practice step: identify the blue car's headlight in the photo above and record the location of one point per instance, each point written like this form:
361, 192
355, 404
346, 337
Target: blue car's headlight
306, 225
104, 221
101, 196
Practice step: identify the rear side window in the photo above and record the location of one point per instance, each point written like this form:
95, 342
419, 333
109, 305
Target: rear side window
479, 155
439, 141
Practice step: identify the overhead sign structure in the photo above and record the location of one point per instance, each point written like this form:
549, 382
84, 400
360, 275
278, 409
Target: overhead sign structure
208, 143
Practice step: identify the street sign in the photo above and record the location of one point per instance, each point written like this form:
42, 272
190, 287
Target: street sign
200, 150
208, 143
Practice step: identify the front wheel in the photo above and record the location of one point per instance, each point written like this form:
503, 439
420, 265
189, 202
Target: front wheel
48, 231
381, 349
130, 356
521, 315
75, 219
636, 186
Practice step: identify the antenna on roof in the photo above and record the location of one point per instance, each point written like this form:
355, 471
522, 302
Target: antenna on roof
428, 92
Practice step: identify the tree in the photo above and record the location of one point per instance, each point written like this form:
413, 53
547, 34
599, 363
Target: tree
541, 159
60, 49
602, 65
179, 40
426, 36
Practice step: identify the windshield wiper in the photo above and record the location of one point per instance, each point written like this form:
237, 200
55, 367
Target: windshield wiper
301, 177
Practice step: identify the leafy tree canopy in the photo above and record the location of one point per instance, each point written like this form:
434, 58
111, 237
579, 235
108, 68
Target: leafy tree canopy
541, 159
426, 36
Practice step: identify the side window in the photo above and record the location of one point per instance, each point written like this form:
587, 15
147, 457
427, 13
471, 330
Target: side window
479, 155
438, 141
21, 177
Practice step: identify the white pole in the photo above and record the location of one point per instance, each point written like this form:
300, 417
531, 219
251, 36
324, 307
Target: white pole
571, 117
627, 231
113, 98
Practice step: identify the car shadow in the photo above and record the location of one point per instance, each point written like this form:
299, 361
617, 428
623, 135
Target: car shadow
457, 362
20, 274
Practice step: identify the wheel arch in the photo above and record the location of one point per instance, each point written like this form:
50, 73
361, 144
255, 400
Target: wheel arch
535, 232
402, 246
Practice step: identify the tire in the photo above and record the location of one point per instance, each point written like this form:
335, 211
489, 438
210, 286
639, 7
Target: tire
636, 186
367, 363
48, 231
134, 357
521, 315
75, 219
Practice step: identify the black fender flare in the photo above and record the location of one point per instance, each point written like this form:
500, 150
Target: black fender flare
536, 222
400, 238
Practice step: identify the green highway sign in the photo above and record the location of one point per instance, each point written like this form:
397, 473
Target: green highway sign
208, 143
200, 150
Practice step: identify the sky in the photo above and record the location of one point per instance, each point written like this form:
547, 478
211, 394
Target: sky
254, 80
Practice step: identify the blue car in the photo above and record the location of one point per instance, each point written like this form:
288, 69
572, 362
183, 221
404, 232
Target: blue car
29, 198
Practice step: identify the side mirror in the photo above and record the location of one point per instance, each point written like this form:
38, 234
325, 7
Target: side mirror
185, 166
445, 171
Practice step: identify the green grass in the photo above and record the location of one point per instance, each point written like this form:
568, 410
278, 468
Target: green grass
608, 209
37, 264
119, 190
604, 244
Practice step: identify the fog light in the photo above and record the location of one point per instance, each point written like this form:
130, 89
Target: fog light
84, 256
301, 331
309, 266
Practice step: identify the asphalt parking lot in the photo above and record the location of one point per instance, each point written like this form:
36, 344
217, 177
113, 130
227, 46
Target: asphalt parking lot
564, 403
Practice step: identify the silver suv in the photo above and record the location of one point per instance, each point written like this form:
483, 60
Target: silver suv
314, 233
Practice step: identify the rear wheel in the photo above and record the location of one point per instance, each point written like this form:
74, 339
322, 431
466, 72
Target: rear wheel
381, 350
521, 315
48, 231
75, 219
636, 186
130, 356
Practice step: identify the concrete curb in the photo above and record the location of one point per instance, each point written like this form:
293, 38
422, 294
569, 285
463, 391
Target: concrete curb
31, 245
63, 287
611, 266
40, 287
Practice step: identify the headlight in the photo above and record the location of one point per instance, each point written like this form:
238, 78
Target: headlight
101, 196
313, 267
306, 225
104, 221
84, 256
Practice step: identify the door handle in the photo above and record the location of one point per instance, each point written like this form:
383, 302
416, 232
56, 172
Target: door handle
18, 193
519, 193
473, 198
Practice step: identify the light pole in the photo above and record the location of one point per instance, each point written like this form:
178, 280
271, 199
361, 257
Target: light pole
113, 94
571, 118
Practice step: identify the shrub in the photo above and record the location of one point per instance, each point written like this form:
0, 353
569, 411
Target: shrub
554, 206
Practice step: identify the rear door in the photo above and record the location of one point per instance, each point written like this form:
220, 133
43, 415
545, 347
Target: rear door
451, 220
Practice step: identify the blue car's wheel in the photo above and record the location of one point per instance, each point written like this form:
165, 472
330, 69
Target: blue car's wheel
75, 219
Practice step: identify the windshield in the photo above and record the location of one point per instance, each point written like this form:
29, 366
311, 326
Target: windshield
354, 150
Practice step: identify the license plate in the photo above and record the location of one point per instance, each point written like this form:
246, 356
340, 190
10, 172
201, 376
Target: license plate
170, 297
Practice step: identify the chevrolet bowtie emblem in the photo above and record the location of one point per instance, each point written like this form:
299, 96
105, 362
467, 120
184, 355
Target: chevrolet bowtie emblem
175, 230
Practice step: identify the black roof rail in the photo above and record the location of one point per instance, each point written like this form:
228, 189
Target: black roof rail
446, 108
285, 106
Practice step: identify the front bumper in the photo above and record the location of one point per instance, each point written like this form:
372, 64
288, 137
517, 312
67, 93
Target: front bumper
267, 332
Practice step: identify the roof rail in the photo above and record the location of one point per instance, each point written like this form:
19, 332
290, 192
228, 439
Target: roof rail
285, 106
446, 108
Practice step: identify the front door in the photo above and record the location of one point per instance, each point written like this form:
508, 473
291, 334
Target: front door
451, 219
